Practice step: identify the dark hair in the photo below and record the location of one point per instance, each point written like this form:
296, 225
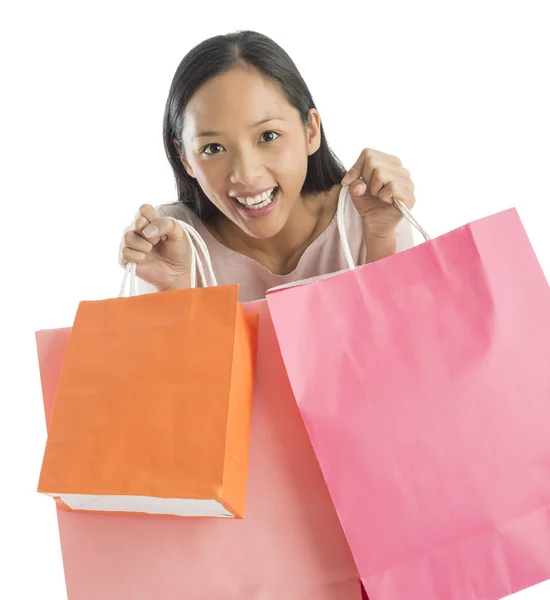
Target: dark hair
215, 56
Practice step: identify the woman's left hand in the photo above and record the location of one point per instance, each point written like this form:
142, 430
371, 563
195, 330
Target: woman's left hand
374, 181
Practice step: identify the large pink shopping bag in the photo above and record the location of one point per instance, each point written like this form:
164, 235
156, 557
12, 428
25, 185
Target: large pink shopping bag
424, 383
289, 545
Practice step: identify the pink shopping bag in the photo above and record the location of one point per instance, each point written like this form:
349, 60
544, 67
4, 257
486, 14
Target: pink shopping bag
424, 383
289, 545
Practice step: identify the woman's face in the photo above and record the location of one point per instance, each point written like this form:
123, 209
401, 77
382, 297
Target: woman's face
248, 149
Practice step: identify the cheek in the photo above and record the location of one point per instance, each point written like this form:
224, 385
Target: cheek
209, 176
212, 177
291, 160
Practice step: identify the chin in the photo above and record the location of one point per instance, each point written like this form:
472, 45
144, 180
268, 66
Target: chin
263, 231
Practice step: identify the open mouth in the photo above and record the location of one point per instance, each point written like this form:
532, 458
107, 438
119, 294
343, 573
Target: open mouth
258, 202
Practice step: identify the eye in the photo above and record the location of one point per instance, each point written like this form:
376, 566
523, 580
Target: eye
272, 132
203, 151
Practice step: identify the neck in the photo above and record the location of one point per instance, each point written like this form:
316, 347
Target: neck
310, 216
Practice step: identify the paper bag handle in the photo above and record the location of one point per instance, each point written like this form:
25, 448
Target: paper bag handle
195, 243
342, 229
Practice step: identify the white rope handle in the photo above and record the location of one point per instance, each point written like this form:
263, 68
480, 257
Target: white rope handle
203, 248
129, 276
411, 219
342, 229
195, 241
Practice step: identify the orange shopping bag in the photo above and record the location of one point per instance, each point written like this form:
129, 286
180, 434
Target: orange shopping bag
290, 545
153, 409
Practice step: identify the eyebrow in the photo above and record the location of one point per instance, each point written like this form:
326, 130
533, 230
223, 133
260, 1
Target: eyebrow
260, 122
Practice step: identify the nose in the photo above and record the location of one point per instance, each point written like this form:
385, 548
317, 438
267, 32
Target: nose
246, 168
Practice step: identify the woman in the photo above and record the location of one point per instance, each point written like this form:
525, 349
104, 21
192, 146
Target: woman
256, 178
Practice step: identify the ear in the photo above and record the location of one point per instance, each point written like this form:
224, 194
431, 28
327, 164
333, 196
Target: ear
313, 131
183, 160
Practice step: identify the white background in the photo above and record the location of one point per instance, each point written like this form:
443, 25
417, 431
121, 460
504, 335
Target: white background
459, 91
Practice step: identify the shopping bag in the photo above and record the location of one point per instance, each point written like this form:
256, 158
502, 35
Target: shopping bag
289, 545
424, 383
153, 405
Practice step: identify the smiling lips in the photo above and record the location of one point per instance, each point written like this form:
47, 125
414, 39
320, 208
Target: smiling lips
258, 201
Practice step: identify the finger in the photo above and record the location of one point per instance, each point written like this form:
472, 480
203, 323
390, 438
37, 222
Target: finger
129, 255
355, 171
149, 212
358, 188
393, 191
366, 163
379, 179
163, 227
383, 157
140, 224
359, 176
384, 183
134, 241
137, 224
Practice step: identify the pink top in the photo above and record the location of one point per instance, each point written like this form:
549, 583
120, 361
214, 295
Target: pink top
322, 257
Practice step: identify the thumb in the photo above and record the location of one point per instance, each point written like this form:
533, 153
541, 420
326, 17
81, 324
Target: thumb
358, 188
355, 172
164, 228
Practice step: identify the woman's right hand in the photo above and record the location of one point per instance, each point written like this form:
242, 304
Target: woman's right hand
159, 247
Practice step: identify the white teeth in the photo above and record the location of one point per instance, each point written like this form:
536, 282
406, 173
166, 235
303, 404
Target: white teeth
261, 204
258, 201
